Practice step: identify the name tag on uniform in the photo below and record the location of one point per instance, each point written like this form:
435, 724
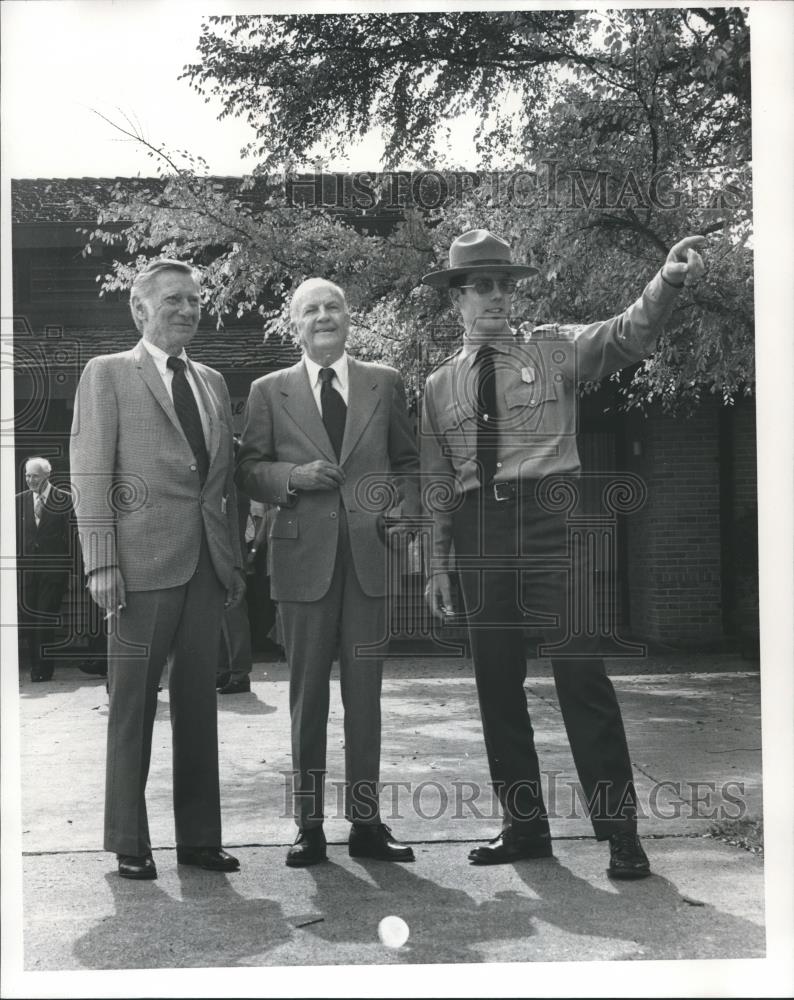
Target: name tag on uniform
528, 374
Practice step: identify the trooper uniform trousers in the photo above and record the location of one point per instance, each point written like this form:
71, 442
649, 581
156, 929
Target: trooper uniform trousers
516, 571
351, 623
180, 625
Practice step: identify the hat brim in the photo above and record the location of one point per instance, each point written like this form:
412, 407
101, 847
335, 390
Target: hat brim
441, 279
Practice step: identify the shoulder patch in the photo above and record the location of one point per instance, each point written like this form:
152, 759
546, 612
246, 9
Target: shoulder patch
554, 331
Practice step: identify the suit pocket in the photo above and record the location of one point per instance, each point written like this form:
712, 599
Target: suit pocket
285, 526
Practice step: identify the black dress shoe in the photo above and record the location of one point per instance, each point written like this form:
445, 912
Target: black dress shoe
240, 686
223, 679
374, 840
626, 857
38, 674
212, 859
308, 849
510, 846
135, 866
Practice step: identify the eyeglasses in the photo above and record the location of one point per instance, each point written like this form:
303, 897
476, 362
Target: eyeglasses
483, 286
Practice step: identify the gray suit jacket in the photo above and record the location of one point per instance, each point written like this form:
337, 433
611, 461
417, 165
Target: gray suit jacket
283, 428
138, 499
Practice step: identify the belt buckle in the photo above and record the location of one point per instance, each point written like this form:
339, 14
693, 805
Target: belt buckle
502, 492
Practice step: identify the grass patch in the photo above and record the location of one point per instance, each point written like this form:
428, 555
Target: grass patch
747, 833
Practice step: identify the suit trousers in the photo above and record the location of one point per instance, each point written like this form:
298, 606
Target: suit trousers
516, 571
235, 653
180, 625
347, 621
40, 597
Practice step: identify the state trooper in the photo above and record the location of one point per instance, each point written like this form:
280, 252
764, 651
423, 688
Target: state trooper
499, 419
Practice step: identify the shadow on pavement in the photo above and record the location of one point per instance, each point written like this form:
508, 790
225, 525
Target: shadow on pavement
244, 704
650, 913
211, 926
448, 925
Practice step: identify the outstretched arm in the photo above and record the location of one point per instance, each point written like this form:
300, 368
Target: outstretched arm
608, 346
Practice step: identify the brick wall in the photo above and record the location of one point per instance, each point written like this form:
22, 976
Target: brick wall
674, 569
744, 616
744, 463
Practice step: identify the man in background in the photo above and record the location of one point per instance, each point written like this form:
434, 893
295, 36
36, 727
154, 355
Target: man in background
45, 558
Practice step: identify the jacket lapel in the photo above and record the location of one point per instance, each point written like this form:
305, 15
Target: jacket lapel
363, 399
300, 404
30, 517
211, 407
147, 369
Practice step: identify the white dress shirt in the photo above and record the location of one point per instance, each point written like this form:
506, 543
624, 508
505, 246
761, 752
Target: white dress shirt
339, 382
160, 358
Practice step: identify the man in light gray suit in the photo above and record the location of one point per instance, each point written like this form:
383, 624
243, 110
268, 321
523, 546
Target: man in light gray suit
152, 472
329, 442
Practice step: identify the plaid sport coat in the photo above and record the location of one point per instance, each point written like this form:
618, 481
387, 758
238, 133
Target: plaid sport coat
137, 495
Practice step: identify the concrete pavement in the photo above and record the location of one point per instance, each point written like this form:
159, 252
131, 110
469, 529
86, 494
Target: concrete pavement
693, 726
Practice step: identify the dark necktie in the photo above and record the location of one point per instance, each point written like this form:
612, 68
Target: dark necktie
334, 410
188, 413
487, 430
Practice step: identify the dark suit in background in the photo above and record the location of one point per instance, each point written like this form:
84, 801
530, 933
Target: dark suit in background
45, 557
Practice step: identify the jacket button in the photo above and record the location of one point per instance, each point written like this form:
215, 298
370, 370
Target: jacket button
192, 468
334, 514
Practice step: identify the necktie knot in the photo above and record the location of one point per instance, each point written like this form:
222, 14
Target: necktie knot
326, 375
175, 364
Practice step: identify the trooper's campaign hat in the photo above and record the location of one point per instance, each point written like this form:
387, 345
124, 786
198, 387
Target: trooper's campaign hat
478, 250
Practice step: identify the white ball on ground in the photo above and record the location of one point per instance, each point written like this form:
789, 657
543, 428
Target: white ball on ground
393, 932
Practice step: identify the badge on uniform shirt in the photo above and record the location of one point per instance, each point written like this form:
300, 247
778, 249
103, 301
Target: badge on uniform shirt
528, 374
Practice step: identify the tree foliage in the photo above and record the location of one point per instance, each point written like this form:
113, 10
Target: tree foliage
303, 80
615, 134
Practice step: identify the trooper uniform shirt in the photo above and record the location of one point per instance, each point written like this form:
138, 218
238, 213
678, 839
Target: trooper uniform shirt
536, 399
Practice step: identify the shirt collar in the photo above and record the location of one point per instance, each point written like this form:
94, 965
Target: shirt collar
45, 492
160, 357
339, 366
470, 348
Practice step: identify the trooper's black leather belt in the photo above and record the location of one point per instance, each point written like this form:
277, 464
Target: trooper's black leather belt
503, 492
